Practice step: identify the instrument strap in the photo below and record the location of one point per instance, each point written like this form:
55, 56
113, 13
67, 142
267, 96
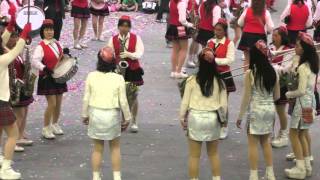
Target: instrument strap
54, 49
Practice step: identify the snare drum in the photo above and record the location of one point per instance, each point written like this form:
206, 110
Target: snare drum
149, 7
65, 70
36, 17
98, 4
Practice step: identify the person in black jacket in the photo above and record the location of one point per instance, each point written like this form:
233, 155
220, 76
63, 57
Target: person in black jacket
55, 10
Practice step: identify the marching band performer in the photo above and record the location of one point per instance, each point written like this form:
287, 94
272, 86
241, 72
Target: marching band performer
280, 42
307, 70
204, 94
55, 10
20, 108
178, 33
45, 57
105, 94
298, 17
80, 13
224, 52
133, 51
98, 16
261, 88
316, 23
210, 13
254, 20
7, 117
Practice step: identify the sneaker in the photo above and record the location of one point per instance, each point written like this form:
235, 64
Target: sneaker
18, 148
94, 39
191, 64
290, 157
224, 133
158, 20
9, 173
281, 141
1, 159
56, 129
24, 142
77, 46
134, 128
181, 75
47, 133
163, 21
96, 176
83, 45
253, 175
269, 174
295, 173
173, 74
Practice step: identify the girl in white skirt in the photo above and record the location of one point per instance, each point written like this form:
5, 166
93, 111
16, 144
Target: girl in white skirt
204, 94
261, 89
105, 95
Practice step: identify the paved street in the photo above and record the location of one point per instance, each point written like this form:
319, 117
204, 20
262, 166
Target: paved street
159, 150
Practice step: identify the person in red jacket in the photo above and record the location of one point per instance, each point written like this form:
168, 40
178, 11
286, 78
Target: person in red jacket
255, 20
80, 13
179, 33
297, 17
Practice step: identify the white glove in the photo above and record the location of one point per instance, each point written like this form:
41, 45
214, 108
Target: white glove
125, 54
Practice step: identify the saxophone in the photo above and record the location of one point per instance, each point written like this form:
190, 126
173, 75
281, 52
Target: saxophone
194, 19
15, 84
123, 64
29, 77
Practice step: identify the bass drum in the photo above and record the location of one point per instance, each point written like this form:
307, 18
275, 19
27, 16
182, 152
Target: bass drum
65, 70
36, 17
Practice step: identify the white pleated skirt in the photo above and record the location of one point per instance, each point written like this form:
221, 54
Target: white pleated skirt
104, 124
203, 125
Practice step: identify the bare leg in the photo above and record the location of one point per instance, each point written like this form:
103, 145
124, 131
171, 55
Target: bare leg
182, 54
57, 109
115, 154
253, 151
19, 113
83, 28
304, 143
76, 29
97, 154
174, 55
246, 60
237, 34
100, 28
134, 110
95, 26
13, 133
212, 150
267, 149
296, 144
308, 138
48, 115
194, 158
281, 110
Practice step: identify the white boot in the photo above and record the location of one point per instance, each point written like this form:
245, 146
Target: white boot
96, 175
47, 133
194, 179
116, 175
270, 173
216, 178
282, 139
297, 172
307, 161
134, 128
254, 175
7, 172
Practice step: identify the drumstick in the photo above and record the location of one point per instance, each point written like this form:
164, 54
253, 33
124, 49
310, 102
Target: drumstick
28, 11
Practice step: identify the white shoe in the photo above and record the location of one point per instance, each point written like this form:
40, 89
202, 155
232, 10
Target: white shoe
116, 175
173, 74
269, 174
290, 157
77, 46
18, 148
134, 128
253, 175
224, 132
56, 129
181, 75
281, 141
7, 172
83, 45
216, 178
1, 159
96, 176
191, 64
47, 133
308, 166
94, 39
24, 142
298, 171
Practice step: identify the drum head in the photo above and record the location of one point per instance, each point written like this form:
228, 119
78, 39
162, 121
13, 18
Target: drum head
63, 67
36, 17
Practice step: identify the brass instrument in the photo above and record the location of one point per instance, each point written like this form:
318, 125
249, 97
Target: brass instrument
123, 64
29, 77
194, 19
237, 13
16, 85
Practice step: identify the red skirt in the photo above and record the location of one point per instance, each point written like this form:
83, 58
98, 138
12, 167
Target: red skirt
7, 116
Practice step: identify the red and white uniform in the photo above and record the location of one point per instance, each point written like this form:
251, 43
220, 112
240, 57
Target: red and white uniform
253, 24
47, 54
224, 52
19, 67
207, 22
300, 17
195, 4
178, 13
80, 3
282, 63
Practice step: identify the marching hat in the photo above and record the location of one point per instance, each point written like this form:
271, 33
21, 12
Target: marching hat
47, 22
125, 17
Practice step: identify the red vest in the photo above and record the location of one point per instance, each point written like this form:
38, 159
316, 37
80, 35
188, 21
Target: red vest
80, 3
133, 64
196, 6
174, 14
221, 52
278, 59
253, 24
19, 67
298, 17
205, 20
49, 58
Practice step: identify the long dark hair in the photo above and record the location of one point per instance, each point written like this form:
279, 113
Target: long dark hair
258, 7
206, 73
310, 56
103, 66
208, 5
265, 75
298, 1
1, 47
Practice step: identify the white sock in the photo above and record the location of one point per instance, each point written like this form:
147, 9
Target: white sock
194, 179
216, 178
6, 164
116, 175
254, 173
96, 174
301, 164
307, 161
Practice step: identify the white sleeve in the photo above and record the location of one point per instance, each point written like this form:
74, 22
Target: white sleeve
37, 57
110, 43
285, 13
269, 22
86, 98
216, 13
182, 10
4, 7
230, 56
317, 13
309, 21
242, 18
